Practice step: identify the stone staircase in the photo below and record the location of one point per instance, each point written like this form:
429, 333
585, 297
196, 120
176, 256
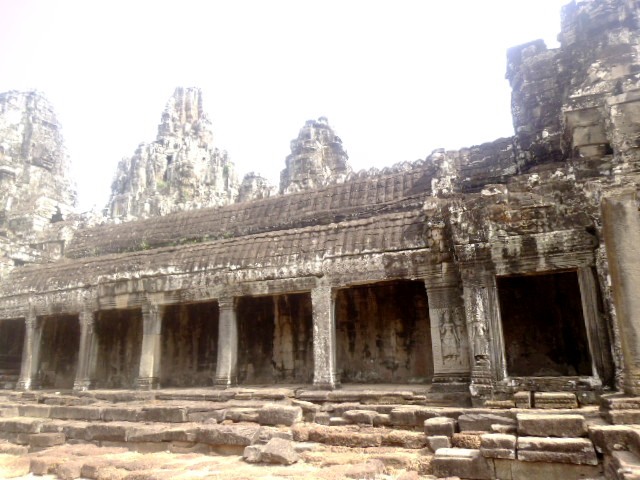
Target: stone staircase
553, 438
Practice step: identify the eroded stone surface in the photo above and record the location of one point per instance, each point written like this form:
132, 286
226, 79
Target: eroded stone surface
180, 170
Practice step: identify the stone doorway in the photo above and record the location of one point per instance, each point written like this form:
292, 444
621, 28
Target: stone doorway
189, 345
275, 339
119, 338
383, 333
58, 357
543, 325
11, 344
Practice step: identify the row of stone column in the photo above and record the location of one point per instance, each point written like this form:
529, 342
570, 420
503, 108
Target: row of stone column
450, 346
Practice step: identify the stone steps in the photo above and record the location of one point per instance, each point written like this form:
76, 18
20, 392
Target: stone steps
500, 442
540, 444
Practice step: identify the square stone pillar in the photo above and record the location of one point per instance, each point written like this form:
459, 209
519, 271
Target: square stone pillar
485, 334
30, 353
88, 352
449, 338
149, 372
621, 229
227, 364
324, 338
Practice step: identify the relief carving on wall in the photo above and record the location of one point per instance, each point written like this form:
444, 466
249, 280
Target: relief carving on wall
452, 342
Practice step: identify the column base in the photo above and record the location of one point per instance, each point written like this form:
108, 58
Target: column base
325, 385
330, 382
225, 382
24, 385
631, 384
451, 383
82, 385
147, 383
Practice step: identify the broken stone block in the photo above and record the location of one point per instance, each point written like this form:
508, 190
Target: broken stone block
610, 438
12, 466
438, 426
338, 422
322, 418
7, 448
267, 433
496, 445
279, 451
34, 411
164, 414
500, 404
506, 429
117, 414
342, 437
382, 420
555, 400
252, 453
543, 425
578, 451
146, 433
522, 399
45, 464
109, 432
370, 470
279, 415
363, 417
69, 470
467, 440
20, 425
461, 462
75, 413
404, 439
437, 442
477, 422
44, 440
237, 415
239, 435
623, 417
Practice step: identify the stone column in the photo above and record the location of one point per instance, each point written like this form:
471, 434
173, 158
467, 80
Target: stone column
324, 338
88, 351
621, 229
484, 330
227, 364
449, 338
149, 372
30, 353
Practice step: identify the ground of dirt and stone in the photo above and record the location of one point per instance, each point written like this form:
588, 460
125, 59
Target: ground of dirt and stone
114, 463
280, 433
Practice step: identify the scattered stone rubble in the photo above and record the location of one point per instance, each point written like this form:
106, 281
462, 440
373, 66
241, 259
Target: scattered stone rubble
471, 315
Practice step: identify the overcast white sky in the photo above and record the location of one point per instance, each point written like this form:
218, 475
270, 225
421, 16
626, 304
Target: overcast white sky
396, 79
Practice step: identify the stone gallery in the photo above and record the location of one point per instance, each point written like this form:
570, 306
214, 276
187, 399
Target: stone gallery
504, 275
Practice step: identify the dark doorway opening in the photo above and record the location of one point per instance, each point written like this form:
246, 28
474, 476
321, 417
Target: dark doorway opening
119, 336
189, 345
59, 345
383, 333
275, 339
543, 325
11, 344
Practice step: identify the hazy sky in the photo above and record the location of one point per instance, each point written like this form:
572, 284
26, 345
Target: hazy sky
396, 79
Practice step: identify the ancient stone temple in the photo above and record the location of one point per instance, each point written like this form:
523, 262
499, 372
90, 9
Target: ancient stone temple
317, 159
180, 170
504, 275
35, 187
